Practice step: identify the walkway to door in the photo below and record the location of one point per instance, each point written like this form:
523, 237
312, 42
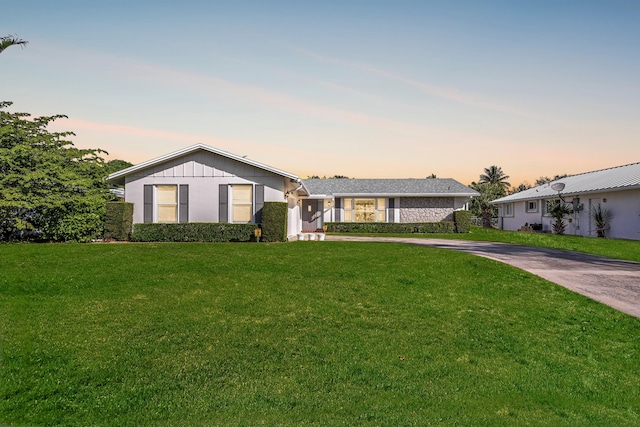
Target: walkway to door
615, 283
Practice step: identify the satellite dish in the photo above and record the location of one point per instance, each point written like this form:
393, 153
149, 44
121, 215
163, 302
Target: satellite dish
558, 186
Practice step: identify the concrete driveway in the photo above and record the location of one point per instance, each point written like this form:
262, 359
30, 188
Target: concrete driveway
612, 282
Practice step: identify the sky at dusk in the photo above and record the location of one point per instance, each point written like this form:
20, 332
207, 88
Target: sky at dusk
367, 89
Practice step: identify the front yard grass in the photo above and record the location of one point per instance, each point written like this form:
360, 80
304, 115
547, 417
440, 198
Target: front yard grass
305, 333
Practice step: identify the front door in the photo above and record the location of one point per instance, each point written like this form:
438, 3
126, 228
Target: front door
310, 215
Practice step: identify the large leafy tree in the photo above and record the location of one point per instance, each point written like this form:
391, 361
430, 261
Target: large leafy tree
545, 179
6, 41
481, 205
116, 165
49, 189
522, 187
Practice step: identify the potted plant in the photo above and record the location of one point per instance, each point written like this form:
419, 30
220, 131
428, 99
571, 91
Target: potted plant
601, 218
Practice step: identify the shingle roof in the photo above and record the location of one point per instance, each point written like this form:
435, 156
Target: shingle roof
612, 179
387, 187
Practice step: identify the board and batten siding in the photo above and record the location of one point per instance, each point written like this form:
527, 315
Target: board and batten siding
204, 173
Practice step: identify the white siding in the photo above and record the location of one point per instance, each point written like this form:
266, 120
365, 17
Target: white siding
624, 205
203, 172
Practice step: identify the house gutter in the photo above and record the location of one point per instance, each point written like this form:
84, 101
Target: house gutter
290, 192
406, 194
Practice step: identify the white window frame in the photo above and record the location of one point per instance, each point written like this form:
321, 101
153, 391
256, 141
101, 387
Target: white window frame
379, 209
508, 210
530, 209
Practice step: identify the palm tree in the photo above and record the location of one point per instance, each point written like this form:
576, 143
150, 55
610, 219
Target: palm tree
495, 175
558, 210
6, 41
481, 204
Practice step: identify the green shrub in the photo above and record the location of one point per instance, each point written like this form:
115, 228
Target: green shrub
118, 220
193, 232
391, 227
73, 220
274, 222
462, 220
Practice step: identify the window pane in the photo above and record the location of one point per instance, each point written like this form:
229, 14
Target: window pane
364, 210
241, 194
242, 213
381, 210
347, 216
167, 194
241, 203
347, 204
167, 214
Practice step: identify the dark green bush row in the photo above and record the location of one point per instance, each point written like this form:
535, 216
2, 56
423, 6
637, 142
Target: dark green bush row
462, 220
274, 222
118, 220
391, 227
193, 232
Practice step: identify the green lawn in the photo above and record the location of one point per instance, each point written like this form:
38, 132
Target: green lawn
613, 248
305, 333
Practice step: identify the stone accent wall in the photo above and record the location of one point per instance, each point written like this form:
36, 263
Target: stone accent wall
426, 209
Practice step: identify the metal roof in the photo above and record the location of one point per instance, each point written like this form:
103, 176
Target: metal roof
117, 176
388, 187
618, 178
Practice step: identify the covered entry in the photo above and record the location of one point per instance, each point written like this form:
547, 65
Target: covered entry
311, 214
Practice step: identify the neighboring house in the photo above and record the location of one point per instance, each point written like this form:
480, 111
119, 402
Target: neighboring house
204, 184
615, 189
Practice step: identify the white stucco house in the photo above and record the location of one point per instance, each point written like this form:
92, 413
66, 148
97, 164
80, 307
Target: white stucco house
616, 189
204, 184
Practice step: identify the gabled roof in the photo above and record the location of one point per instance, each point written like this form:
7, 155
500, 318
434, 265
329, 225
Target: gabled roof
117, 176
438, 187
618, 178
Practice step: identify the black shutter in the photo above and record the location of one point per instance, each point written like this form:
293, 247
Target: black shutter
148, 204
392, 216
259, 202
223, 202
337, 208
183, 212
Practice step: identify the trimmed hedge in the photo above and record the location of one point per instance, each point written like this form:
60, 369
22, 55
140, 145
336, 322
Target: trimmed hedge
443, 227
462, 220
118, 220
193, 232
274, 222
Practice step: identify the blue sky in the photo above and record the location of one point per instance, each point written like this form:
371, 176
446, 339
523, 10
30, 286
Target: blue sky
359, 88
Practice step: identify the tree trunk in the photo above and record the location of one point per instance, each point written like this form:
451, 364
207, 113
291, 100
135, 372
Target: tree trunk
486, 216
